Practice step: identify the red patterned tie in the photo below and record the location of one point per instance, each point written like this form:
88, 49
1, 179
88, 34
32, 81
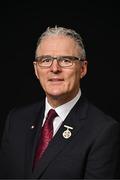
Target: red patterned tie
45, 136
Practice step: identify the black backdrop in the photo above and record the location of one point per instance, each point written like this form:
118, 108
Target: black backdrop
21, 24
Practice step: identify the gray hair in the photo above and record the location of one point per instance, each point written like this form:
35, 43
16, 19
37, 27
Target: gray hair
66, 32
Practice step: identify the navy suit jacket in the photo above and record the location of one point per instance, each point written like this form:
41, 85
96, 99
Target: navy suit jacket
92, 151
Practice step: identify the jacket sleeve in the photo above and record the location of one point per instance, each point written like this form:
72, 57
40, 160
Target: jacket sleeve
104, 158
5, 148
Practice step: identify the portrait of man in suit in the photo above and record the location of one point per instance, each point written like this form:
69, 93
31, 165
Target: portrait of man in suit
64, 136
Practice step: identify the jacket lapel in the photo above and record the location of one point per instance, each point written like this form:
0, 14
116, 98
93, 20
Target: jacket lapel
75, 120
33, 130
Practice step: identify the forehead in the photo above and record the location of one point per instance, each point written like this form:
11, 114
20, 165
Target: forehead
58, 44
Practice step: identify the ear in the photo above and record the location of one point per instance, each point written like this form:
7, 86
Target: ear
83, 69
36, 69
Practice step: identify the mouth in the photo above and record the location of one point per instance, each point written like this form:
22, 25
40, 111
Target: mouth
56, 80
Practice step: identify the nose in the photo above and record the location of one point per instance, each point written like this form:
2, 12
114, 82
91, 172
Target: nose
55, 66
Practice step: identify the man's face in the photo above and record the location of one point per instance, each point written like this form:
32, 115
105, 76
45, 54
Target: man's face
60, 83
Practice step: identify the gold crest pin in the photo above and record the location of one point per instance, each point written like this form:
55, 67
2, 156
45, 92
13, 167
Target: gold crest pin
67, 133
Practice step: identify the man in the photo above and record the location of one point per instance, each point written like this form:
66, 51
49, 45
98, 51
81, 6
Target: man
85, 142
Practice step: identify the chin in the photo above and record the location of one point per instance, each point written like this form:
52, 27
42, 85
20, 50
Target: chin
55, 94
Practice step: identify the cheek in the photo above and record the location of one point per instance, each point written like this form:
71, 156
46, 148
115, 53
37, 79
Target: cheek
41, 77
73, 78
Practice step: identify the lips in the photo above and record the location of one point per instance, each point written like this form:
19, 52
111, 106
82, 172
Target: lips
56, 79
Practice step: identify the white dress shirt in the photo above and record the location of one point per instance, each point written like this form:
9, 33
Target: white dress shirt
62, 111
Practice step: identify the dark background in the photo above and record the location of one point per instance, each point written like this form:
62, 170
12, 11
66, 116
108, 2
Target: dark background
21, 24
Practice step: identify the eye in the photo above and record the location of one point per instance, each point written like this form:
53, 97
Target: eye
66, 60
45, 59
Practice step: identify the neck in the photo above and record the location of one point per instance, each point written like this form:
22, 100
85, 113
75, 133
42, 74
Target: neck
56, 101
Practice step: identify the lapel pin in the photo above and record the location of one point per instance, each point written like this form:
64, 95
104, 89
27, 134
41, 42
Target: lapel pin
67, 133
32, 127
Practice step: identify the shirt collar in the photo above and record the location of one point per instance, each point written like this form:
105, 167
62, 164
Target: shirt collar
64, 109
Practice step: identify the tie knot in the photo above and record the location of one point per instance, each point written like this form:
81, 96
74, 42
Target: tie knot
51, 114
